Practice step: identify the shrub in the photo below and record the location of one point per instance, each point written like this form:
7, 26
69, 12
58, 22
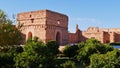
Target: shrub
53, 47
69, 64
90, 47
108, 60
70, 51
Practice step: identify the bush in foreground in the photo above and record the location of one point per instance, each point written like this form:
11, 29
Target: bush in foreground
69, 64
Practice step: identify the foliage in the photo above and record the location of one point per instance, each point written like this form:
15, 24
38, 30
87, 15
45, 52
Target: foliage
35, 55
109, 60
35, 39
6, 60
91, 46
10, 37
6, 57
9, 34
115, 43
2, 16
69, 64
53, 47
70, 51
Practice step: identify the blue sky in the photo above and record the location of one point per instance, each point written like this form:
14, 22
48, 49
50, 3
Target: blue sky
85, 13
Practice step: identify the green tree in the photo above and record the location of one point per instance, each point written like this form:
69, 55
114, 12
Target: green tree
110, 59
35, 55
30, 55
2, 16
53, 47
70, 51
9, 34
69, 64
6, 58
9, 37
91, 46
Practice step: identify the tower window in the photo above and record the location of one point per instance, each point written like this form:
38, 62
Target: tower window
32, 20
58, 22
30, 15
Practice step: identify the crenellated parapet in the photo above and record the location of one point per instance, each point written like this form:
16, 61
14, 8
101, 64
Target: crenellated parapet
31, 15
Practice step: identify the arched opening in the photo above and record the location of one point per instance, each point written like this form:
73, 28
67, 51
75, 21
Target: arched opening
58, 38
30, 35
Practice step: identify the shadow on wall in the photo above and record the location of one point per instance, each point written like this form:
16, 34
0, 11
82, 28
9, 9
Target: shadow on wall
23, 39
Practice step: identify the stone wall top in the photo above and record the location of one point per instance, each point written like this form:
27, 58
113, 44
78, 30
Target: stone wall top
31, 14
37, 14
55, 12
93, 29
110, 29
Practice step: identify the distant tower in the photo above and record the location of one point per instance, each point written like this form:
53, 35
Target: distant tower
77, 27
45, 24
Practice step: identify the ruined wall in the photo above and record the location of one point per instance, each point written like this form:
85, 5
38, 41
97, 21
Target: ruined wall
93, 32
116, 37
114, 34
73, 38
105, 35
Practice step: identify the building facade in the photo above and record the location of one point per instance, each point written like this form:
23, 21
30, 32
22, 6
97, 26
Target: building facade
44, 24
104, 35
49, 25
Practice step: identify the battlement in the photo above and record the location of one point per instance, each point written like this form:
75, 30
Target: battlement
93, 29
110, 29
31, 14
39, 14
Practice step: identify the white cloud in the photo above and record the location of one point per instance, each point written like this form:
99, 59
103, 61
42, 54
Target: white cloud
84, 20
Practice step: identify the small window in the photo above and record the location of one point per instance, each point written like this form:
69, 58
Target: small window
32, 20
30, 15
58, 22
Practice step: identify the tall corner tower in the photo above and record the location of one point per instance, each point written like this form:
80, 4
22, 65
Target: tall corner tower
45, 24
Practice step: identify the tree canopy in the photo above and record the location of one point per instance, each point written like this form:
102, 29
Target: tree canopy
108, 60
37, 55
93, 54
90, 47
9, 33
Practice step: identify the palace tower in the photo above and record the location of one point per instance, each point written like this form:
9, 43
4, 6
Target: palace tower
44, 24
